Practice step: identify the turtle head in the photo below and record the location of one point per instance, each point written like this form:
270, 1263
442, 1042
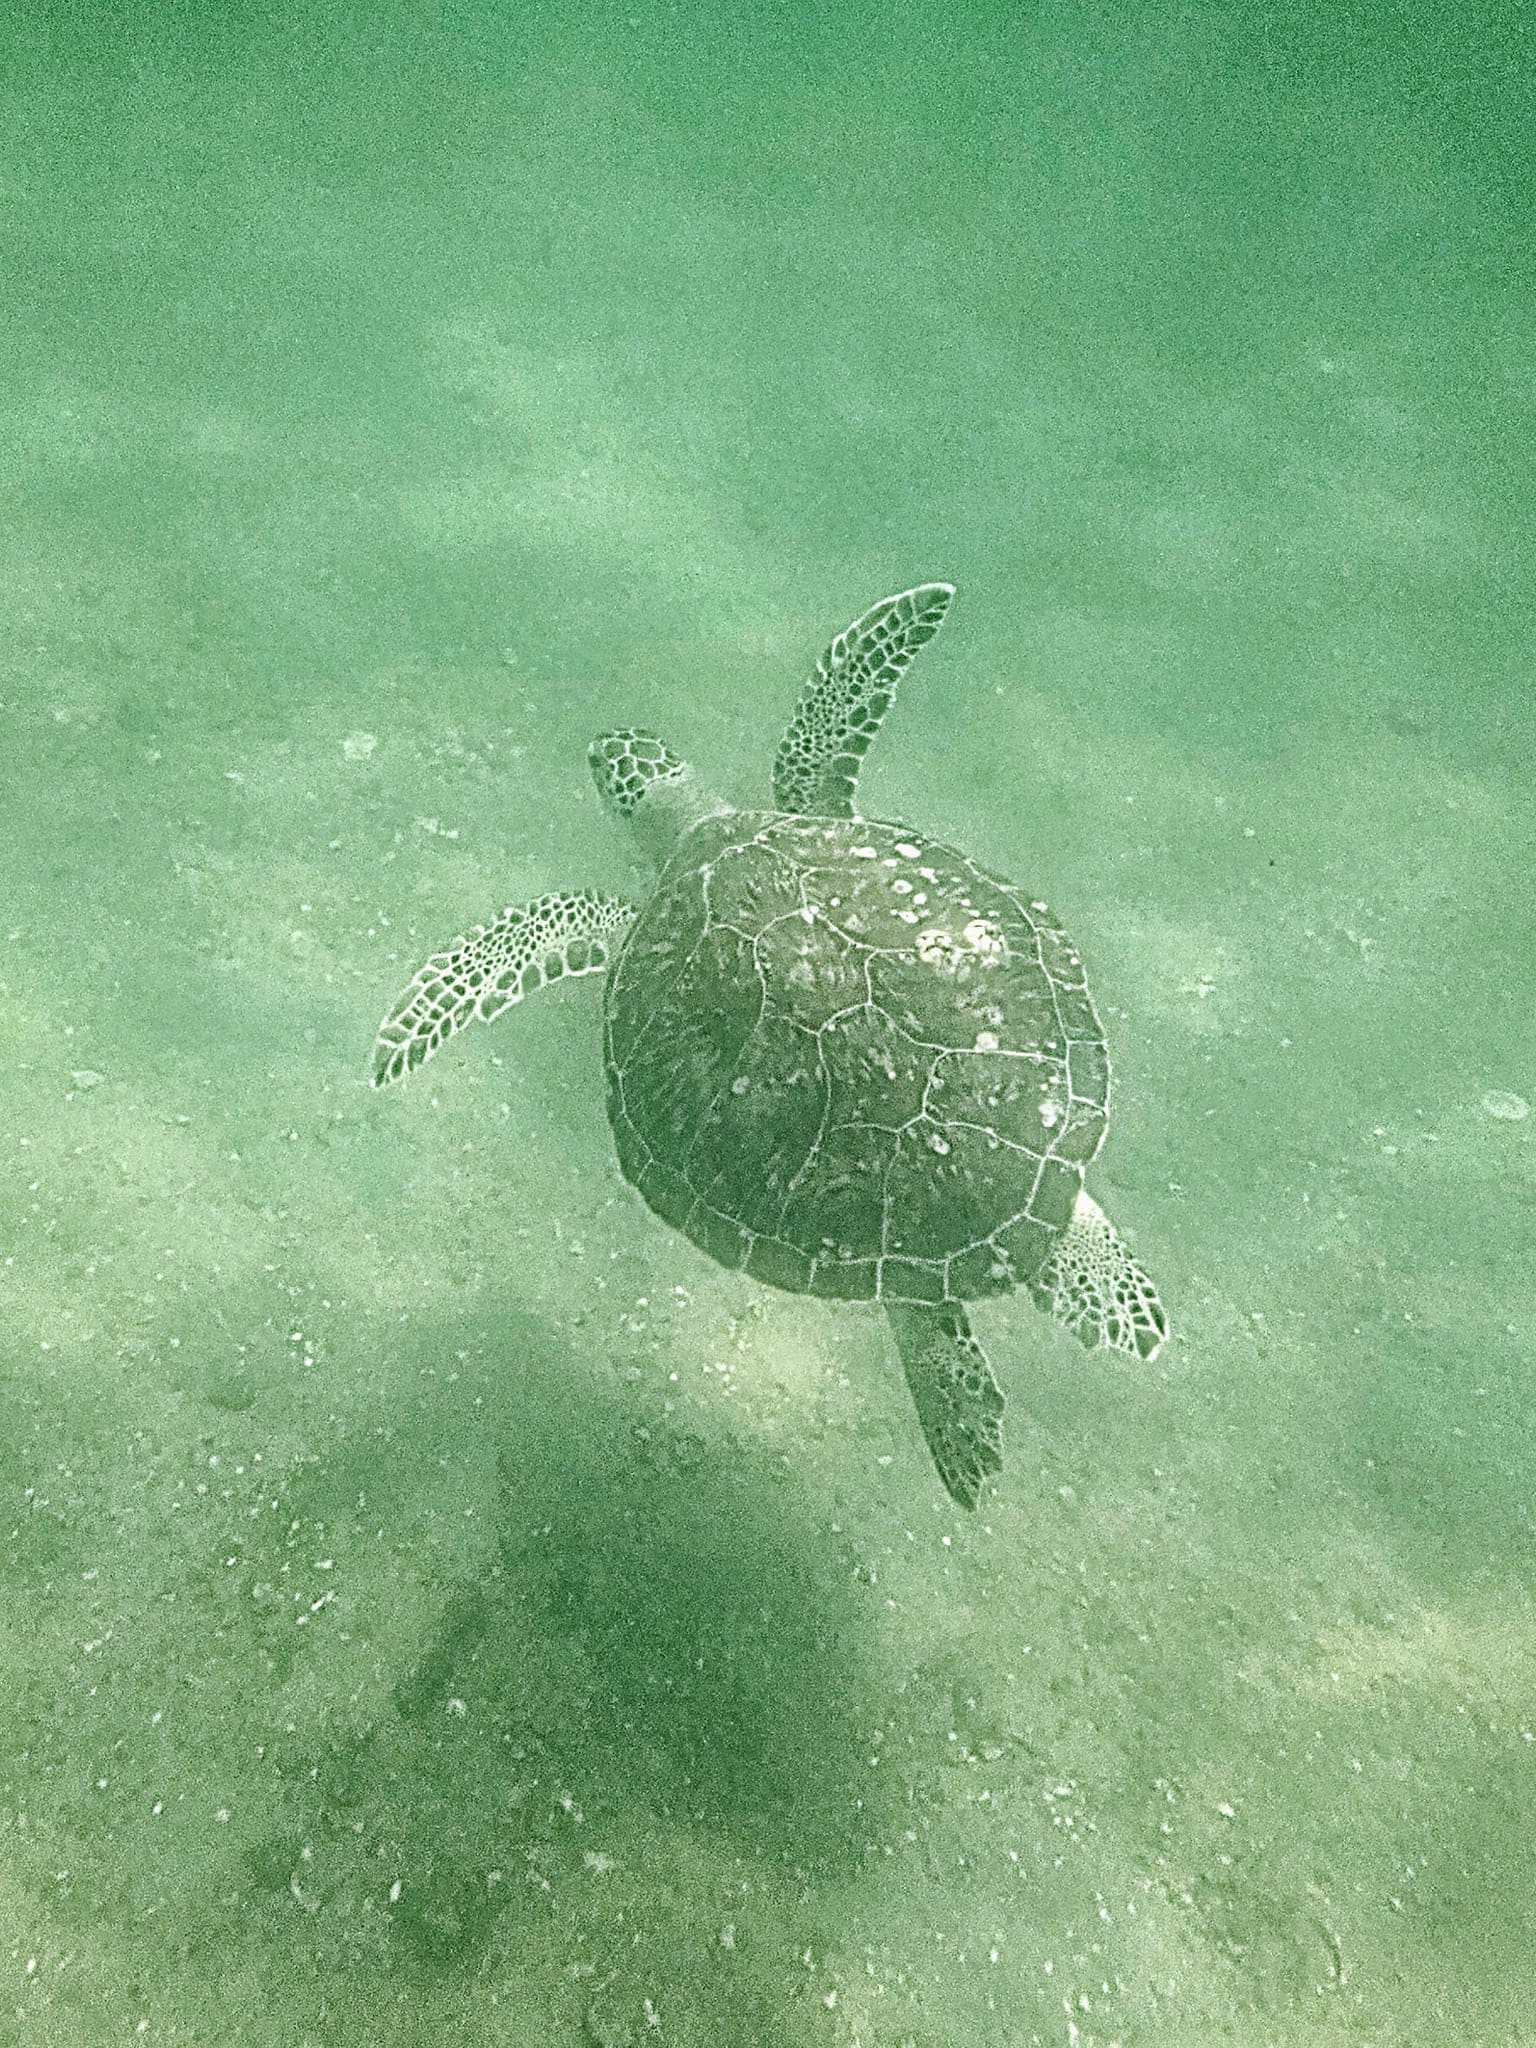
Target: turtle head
645, 783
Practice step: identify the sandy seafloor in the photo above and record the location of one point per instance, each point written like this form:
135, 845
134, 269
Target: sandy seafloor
440, 1606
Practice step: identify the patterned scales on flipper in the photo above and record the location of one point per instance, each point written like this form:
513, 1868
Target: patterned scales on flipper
959, 1403
840, 709
486, 970
1094, 1287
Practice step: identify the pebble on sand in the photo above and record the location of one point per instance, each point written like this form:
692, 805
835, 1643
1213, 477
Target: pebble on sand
1512, 1109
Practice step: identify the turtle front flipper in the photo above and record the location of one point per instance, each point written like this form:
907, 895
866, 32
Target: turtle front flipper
1094, 1287
959, 1403
484, 971
816, 769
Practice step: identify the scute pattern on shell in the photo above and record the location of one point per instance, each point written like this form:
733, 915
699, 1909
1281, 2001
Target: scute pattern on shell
853, 1062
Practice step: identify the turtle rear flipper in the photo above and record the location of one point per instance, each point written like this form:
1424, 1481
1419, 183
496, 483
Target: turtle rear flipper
1093, 1286
484, 971
959, 1403
816, 769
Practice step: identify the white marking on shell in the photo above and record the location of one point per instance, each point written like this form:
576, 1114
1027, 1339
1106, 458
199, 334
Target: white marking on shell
985, 938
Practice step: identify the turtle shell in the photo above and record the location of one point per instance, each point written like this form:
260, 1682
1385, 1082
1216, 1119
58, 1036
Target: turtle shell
851, 1061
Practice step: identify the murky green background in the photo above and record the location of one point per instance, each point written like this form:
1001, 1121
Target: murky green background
441, 1607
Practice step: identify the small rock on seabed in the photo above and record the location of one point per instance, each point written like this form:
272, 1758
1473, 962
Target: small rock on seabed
1512, 1109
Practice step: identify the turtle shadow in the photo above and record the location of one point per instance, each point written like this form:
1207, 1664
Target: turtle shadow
647, 1648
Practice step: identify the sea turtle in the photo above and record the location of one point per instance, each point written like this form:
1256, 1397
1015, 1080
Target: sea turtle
841, 1055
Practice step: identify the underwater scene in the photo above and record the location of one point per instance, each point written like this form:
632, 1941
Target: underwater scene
758, 1499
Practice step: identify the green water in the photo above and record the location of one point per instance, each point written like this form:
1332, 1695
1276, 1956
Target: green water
439, 1605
